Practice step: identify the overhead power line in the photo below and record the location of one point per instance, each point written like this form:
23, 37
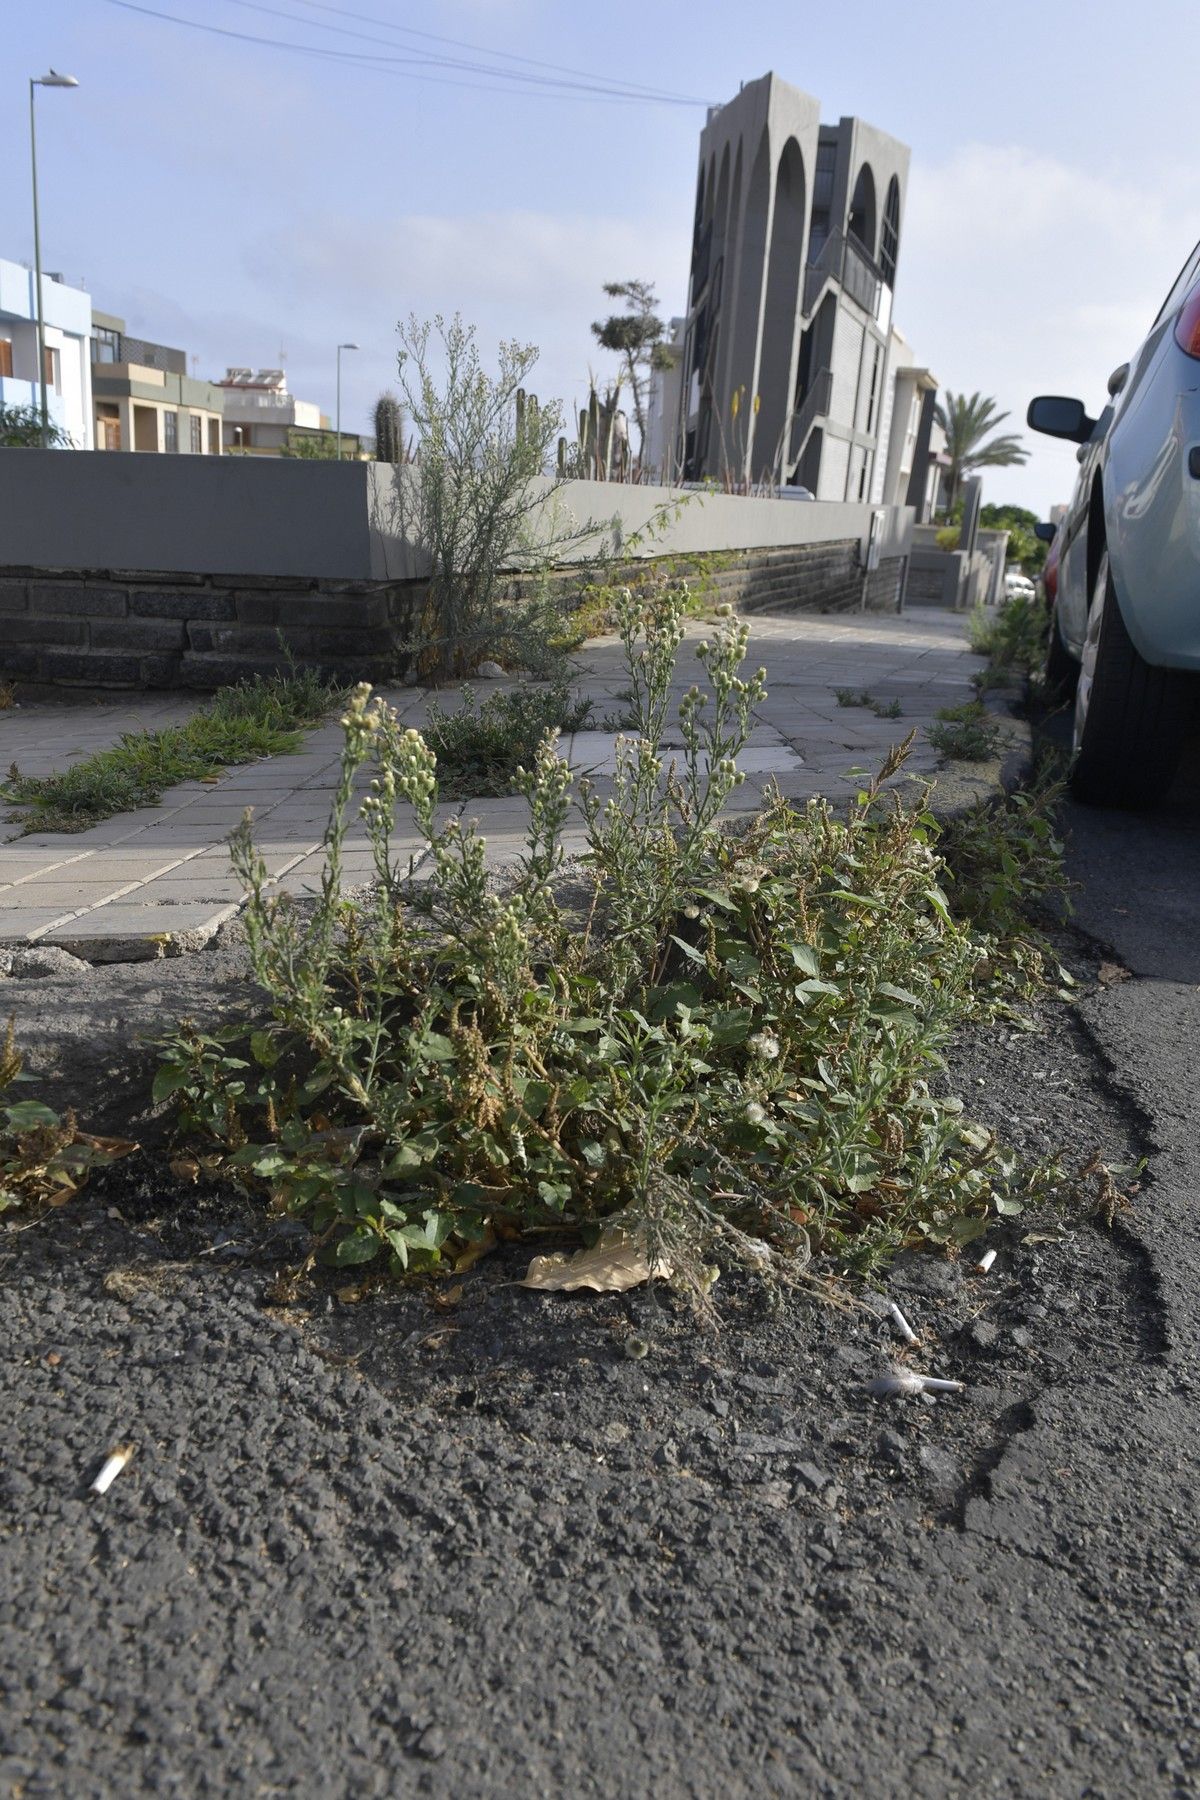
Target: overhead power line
433, 37
417, 65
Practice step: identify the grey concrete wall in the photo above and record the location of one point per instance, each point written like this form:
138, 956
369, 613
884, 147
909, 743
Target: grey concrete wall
936, 577
263, 517
184, 514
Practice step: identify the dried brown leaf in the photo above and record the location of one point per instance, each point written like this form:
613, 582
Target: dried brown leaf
611, 1266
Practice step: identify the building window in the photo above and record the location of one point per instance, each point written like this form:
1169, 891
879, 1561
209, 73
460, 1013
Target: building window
106, 345
861, 224
826, 168
196, 432
5, 356
889, 246
214, 437
53, 367
170, 431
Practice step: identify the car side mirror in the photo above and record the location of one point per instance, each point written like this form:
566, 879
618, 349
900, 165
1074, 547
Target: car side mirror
1045, 531
1056, 416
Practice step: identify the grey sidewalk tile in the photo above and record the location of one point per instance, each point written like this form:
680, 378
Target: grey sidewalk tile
67, 896
123, 916
177, 851
26, 923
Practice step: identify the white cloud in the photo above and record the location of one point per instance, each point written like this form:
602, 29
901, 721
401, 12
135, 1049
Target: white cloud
1021, 274
537, 277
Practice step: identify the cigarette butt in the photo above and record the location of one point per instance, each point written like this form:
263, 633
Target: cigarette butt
900, 1382
113, 1465
985, 1262
894, 1384
901, 1323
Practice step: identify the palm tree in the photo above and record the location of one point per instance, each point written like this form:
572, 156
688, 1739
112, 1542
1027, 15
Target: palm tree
966, 424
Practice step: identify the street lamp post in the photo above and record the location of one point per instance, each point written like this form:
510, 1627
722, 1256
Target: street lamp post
53, 79
340, 348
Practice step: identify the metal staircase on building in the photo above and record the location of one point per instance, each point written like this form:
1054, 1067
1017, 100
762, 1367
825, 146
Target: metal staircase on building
814, 406
843, 260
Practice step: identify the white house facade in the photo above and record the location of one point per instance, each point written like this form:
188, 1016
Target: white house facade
67, 312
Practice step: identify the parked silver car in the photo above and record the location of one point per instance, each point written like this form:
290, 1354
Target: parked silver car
1126, 621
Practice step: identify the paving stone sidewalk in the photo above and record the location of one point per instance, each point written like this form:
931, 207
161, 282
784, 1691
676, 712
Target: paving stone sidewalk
158, 881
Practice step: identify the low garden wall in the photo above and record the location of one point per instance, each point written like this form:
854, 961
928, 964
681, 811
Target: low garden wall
122, 629
127, 571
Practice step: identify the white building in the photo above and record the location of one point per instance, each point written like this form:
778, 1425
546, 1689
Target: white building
67, 313
911, 442
261, 417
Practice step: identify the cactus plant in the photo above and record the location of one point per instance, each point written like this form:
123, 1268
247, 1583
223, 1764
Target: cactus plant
389, 430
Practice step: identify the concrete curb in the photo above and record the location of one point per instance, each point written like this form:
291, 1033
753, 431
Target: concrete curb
153, 946
963, 785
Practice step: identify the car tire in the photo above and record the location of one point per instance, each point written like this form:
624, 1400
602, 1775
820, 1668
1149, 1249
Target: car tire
1129, 716
1061, 670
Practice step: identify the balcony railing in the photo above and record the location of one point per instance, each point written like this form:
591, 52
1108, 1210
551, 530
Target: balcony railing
842, 259
240, 399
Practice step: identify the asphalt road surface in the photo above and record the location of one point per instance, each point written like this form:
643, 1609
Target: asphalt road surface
374, 1549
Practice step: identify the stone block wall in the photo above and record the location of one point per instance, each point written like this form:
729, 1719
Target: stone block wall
137, 630
885, 586
825, 577
131, 629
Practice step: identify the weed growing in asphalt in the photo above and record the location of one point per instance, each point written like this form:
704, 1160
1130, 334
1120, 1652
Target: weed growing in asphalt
1004, 860
1012, 636
1006, 875
721, 1041
892, 710
44, 1157
263, 717
966, 733
481, 748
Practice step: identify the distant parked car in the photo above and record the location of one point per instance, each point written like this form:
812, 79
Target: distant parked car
1051, 536
1061, 669
1127, 606
1018, 586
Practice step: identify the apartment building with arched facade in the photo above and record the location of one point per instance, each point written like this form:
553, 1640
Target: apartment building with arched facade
783, 373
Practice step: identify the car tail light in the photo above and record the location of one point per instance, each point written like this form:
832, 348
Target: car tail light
1187, 325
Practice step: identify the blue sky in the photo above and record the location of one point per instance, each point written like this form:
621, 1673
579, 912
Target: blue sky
240, 199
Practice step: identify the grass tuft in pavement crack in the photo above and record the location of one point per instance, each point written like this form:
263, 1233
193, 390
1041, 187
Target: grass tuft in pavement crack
1013, 638
722, 1040
482, 747
263, 717
966, 733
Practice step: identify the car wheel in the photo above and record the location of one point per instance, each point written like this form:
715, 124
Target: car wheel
1129, 716
1061, 670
